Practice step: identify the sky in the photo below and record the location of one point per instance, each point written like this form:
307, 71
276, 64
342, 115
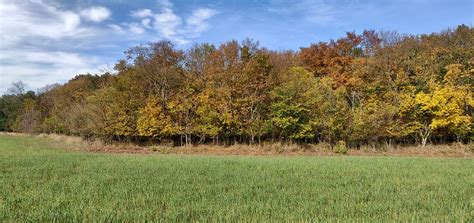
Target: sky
50, 41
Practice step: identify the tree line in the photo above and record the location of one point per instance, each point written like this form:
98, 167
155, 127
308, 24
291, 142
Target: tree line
375, 88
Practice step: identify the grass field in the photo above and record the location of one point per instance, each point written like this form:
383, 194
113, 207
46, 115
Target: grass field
41, 182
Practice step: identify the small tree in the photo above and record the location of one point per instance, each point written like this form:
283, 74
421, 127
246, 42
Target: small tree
441, 109
291, 109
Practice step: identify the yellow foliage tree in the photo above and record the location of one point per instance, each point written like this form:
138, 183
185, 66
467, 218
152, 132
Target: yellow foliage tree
440, 110
154, 122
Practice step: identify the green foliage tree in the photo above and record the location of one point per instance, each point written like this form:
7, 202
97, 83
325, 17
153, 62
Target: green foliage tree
292, 104
332, 111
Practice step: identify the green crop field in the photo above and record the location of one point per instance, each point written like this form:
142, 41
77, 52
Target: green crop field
41, 182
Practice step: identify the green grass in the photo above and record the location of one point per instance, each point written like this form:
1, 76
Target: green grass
39, 182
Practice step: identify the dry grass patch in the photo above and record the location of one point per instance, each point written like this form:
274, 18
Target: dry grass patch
458, 150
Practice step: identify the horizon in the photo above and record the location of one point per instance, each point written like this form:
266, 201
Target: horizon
47, 42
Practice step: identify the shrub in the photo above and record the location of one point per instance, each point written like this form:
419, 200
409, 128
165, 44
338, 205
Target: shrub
340, 147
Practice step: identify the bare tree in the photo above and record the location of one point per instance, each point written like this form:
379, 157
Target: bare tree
16, 88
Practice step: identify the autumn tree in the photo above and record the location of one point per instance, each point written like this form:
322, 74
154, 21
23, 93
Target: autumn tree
292, 106
371, 88
154, 122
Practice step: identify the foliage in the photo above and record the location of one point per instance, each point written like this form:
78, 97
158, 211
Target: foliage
369, 88
154, 122
340, 147
292, 105
446, 107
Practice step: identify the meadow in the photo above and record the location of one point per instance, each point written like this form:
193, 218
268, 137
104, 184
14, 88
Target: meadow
43, 181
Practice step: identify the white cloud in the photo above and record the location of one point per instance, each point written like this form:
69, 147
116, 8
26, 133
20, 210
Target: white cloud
146, 23
200, 15
197, 22
96, 13
136, 28
20, 21
167, 22
165, 3
116, 28
142, 13
41, 43
38, 68
38, 40
170, 25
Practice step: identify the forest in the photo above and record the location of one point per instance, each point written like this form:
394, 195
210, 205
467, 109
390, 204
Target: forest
373, 88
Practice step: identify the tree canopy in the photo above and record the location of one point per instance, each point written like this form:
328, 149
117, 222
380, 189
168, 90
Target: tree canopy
369, 88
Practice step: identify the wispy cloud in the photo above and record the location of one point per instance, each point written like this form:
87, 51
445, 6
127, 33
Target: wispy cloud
95, 14
197, 22
142, 13
25, 19
43, 42
41, 67
33, 35
170, 25
167, 22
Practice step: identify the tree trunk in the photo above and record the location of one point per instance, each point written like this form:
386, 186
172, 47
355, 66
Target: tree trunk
186, 138
425, 135
423, 141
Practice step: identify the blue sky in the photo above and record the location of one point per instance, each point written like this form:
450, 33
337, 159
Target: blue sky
50, 41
